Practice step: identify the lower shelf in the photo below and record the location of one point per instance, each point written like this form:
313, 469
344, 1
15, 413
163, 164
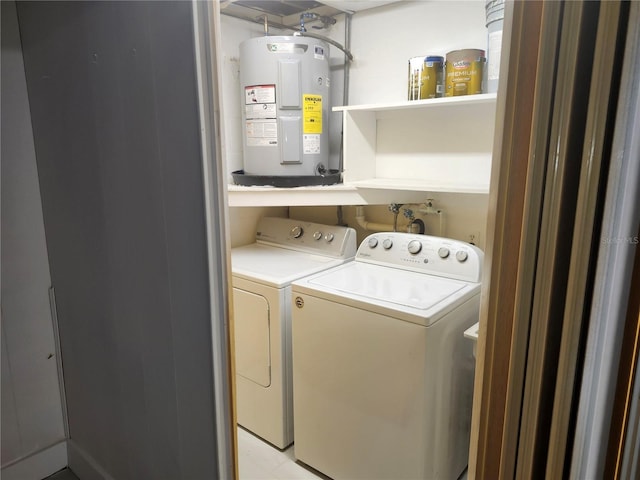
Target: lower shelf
418, 185
371, 192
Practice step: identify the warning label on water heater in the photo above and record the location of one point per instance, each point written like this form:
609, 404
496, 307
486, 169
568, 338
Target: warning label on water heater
261, 127
257, 94
262, 133
311, 144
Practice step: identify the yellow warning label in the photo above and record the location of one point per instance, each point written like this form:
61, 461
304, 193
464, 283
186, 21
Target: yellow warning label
312, 113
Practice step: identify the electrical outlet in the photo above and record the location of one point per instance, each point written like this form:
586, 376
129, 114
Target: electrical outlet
474, 238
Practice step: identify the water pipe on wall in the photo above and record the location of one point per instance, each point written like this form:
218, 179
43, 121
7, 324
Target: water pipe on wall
427, 208
326, 21
414, 225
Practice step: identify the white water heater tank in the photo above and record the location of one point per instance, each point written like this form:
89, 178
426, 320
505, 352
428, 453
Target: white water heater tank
285, 106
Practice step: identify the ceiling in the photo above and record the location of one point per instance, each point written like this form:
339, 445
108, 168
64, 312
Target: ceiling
287, 12
357, 5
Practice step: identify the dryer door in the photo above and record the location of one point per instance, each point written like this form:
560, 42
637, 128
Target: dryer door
251, 330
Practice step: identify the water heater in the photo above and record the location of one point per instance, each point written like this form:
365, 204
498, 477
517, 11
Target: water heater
285, 111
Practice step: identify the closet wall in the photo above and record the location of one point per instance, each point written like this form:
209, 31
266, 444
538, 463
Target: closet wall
32, 418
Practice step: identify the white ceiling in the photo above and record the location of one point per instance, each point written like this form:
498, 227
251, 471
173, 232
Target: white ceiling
255, 12
356, 5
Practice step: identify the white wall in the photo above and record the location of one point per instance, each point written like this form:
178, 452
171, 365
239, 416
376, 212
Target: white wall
462, 216
383, 39
234, 31
243, 222
32, 419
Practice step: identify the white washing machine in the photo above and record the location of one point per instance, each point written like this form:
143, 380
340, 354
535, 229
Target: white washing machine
382, 373
285, 250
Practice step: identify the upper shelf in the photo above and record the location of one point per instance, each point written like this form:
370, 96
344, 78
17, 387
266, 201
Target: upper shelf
341, 194
446, 102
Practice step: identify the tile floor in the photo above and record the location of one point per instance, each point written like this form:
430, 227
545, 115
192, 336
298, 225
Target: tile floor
259, 460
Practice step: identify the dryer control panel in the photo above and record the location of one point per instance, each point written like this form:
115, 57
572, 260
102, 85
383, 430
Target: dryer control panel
330, 240
444, 257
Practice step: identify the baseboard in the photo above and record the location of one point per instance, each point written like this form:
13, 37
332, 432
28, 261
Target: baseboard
84, 465
38, 465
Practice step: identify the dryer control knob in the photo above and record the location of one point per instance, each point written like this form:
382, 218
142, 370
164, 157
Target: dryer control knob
387, 243
329, 237
414, 246
461, 255
296, 232
317, 235
443, 252
373, 242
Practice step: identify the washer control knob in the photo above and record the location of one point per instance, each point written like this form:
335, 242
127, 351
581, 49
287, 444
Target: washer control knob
387, 243
414, 246
329, 237
317, 235
462, 256
443, 252
373, 242
296, 232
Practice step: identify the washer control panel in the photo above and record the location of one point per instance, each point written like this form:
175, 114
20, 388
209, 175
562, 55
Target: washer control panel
311, 237
423, 253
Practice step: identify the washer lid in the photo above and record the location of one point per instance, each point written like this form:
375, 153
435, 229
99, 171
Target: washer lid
277, 266
391, 285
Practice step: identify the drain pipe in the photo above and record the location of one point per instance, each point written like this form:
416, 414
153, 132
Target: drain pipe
371, 226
